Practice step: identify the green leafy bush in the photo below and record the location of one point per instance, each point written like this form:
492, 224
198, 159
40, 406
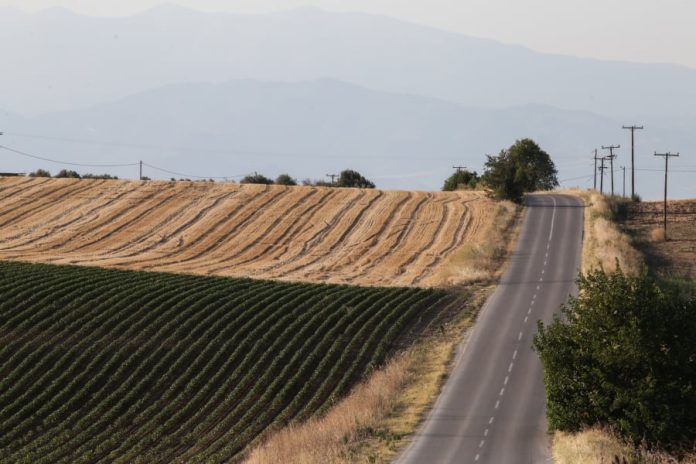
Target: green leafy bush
623, 354
461, 180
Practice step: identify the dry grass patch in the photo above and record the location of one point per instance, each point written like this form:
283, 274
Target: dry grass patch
598, 446
604, 243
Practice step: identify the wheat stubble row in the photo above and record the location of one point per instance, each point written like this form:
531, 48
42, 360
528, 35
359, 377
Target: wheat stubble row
314, 234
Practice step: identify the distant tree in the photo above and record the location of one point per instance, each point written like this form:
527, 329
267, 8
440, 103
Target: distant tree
349, 178
285, 179
66, 173
461, 180
523, 168
256, 179
623, 354
99, 176
40, 173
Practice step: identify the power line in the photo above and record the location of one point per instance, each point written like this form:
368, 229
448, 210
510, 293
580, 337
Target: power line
69, 163
174, 173
574, 178
114, 165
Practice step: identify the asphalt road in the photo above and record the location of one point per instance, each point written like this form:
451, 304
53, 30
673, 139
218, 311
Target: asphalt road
491, 409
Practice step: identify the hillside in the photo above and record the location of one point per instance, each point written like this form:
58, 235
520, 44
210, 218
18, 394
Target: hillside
113, 366
366, 237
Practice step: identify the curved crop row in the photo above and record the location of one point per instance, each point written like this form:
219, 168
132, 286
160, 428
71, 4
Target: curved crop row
102, 365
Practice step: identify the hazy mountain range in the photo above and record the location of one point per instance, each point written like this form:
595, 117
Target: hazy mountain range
308, 92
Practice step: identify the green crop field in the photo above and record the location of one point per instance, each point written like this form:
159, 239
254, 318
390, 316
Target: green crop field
118, 366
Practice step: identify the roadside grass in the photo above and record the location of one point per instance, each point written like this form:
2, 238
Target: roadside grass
377, 419
604, 243
601, 446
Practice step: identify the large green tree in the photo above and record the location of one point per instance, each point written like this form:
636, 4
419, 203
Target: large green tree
462, 179
623, 354
522, 168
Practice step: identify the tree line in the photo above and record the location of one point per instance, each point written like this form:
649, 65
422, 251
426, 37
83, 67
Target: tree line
347, 178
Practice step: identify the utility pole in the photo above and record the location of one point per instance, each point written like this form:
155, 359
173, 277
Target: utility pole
141, 170
633, 156
333, 177
611, 157
595, 169
601, 179
666, 156
623, 168
459, 168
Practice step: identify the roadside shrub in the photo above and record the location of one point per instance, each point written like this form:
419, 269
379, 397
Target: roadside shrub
623, 355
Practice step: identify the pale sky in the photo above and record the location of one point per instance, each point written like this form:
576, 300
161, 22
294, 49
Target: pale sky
634, 30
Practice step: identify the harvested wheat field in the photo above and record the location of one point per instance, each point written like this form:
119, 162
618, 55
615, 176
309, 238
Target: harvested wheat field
677, 254
364, 237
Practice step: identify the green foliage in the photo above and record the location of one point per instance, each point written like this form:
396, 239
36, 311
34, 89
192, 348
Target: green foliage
67, 173
117, 366
623, 354
523, 168
99, 176
256, 179
349, 178
285, 179
461, 180
40, 173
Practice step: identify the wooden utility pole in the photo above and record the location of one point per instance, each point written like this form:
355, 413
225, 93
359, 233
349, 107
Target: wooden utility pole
611, 157
595, 169
666, 156
623, 168
601, 175
141, 170
459, 168
333, 177
633, 156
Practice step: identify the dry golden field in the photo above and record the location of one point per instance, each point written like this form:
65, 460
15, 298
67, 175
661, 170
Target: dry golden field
367, 237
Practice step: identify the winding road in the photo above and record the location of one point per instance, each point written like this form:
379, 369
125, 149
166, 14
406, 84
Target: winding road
491, 409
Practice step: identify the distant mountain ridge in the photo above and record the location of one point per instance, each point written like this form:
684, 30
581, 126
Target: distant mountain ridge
312, 128
66, 60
